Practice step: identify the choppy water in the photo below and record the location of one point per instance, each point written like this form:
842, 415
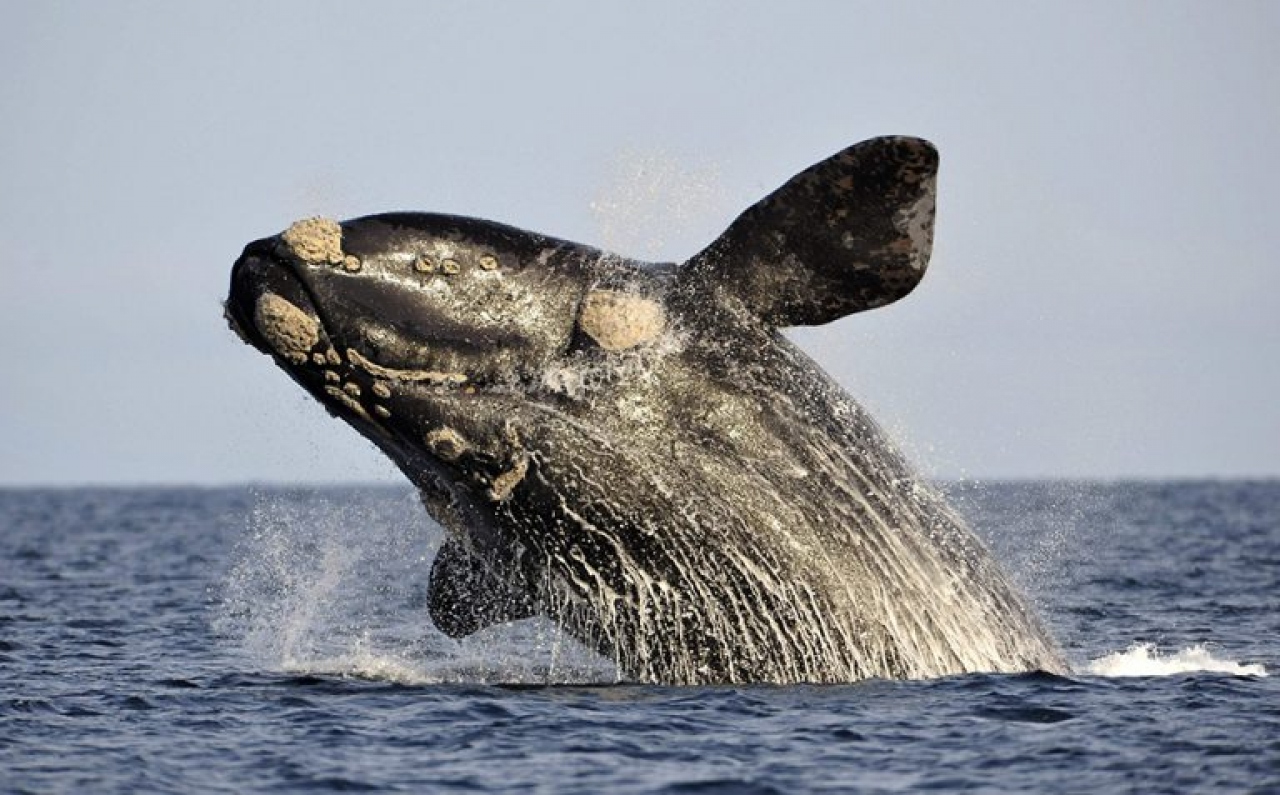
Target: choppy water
268, 640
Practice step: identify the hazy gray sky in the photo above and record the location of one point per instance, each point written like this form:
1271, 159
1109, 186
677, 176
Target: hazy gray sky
1103, 299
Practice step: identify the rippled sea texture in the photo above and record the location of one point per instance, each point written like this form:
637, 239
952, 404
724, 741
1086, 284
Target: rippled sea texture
267, 640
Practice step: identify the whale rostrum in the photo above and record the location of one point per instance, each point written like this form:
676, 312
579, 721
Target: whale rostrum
634, 450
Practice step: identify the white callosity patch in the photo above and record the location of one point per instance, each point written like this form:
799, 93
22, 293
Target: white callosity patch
447, 443
517, 466
290, 331
507, 480
618, 321
584, 378
344, 397
395, 374
319, 241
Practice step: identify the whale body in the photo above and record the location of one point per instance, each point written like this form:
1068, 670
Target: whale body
634, 450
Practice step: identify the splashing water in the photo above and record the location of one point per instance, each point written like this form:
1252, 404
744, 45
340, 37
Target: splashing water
1144, 659
325, 585
653, 205
291, 588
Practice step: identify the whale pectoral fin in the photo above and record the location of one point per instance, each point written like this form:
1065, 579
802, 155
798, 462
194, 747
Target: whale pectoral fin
466, 594
853, 232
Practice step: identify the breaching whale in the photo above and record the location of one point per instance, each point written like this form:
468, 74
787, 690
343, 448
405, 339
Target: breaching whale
634, 450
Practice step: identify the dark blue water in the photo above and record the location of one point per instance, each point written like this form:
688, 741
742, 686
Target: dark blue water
266, 640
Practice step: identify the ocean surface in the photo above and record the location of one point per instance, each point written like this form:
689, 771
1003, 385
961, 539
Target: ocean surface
271, 640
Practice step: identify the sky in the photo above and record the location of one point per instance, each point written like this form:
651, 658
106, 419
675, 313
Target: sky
1103, 300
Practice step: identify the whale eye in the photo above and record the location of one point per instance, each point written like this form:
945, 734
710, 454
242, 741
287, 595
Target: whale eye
618, 321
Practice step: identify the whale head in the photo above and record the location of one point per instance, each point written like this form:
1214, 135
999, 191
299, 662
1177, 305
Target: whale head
439, 337
432, 334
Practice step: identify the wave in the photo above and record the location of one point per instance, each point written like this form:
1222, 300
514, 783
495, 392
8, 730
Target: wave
1145, 659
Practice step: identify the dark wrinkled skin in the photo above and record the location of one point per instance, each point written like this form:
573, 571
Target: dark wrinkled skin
689, 495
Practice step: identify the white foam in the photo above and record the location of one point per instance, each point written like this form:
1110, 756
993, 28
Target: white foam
362, 662
334, 585
1144, 659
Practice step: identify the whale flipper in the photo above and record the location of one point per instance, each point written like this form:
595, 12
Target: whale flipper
465, 595
853, 232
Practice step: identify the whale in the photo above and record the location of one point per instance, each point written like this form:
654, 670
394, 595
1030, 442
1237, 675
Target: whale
635, 451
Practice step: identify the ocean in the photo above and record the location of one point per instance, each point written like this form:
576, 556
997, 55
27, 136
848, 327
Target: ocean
276, 640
